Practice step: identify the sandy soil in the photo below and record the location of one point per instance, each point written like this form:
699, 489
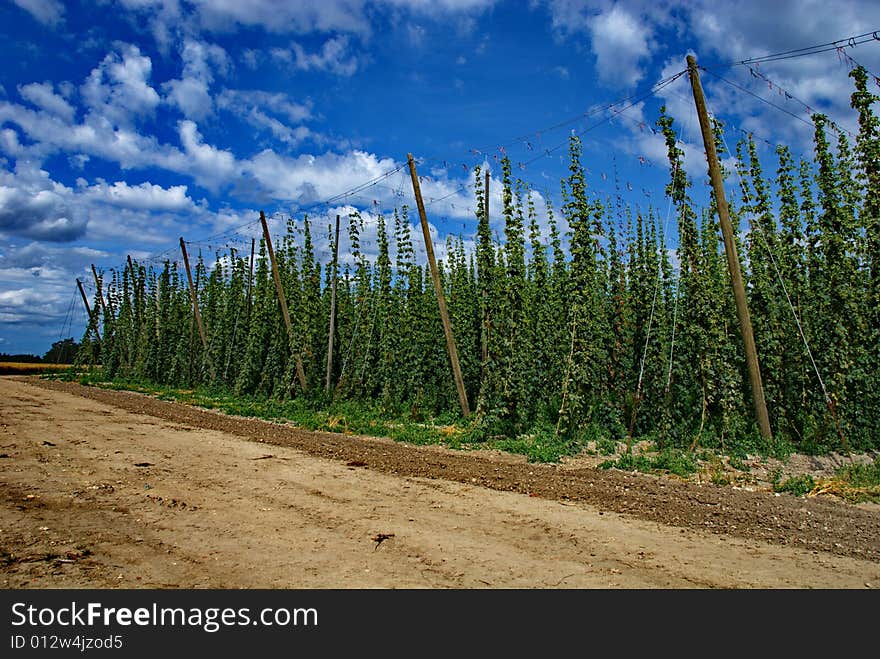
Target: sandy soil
118, 490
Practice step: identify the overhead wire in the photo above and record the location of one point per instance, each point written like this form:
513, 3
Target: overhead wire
811, 50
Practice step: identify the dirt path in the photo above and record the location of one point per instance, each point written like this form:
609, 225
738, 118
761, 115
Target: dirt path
112, 489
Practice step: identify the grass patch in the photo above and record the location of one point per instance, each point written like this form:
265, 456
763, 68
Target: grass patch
544, 446
797, 485
669, 460
857, 483
347, 417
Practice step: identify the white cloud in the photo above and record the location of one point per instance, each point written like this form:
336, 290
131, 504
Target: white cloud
620, 42
96, 136
251, 58
240, 100
283, 16
433, 6
118, 89
9, 142
333, 57
308, 178
209, 165
191, 93
34, 206
191, 96
47, 12
43, 96
255, 106
38, 256
145, 196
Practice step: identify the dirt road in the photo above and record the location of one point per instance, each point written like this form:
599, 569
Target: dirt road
117, 490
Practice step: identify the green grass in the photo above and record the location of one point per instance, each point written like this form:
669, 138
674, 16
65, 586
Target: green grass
861, 475
796, 485
345, 416
669, 460
542, 446
856, 482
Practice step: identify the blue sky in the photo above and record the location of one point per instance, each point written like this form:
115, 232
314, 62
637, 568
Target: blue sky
125, 124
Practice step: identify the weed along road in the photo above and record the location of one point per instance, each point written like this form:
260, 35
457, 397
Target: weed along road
113, 489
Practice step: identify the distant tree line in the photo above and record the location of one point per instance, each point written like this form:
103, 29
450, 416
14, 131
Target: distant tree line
64, 351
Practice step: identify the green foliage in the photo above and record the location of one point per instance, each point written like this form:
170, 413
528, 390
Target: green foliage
861, 475
797, 485
593, 332
669, 460
61, 352
541, 446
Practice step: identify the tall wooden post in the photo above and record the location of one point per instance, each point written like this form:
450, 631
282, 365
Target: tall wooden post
447, 327
300, 371
100, 292
739, 291
250, 280
335, 276
88, 310
484, 335
133, 296
194, 296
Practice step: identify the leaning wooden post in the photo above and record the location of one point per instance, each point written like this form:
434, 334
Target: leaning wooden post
739, 291
132, 278
89, 310
300, 371
447, 327
335, 275
100, 292
195, 302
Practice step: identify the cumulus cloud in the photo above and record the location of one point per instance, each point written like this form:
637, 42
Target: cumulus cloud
43, 96
39, 255
620, 42
191, 92
9, 143
207, 164
118, 89
34, 206
308, 178
145, 196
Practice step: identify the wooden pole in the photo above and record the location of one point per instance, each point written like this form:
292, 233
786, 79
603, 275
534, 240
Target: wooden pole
447, 327
335, 276
250, 280
131, 300
131, 276
88, 310
100, 293
194, 295
485, 332
739, 291
300, 371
